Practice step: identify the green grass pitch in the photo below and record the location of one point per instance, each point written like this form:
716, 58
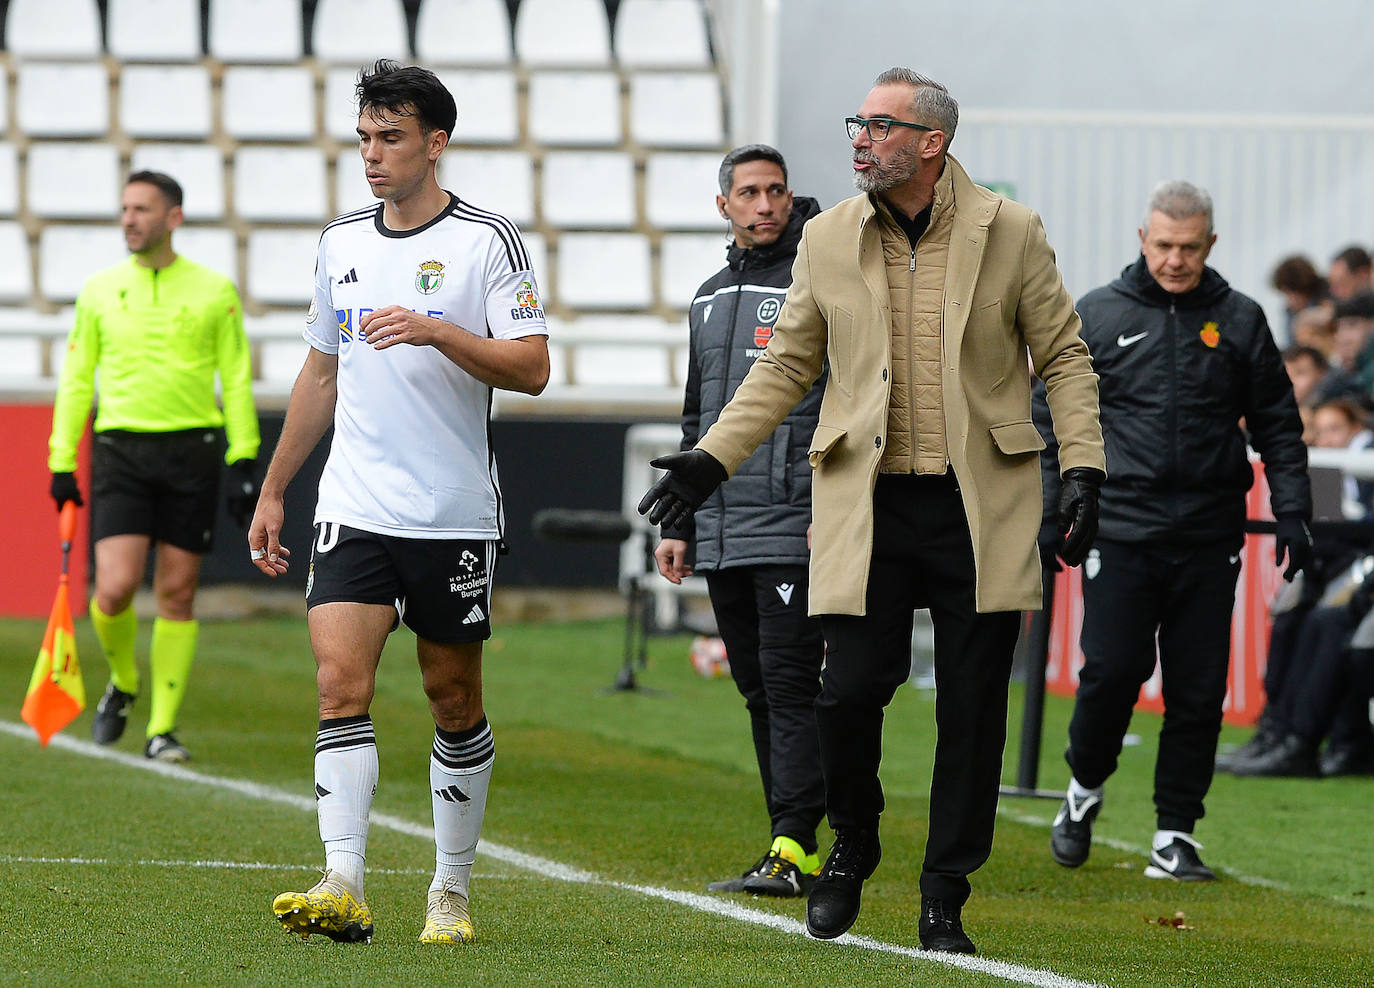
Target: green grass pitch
116, 875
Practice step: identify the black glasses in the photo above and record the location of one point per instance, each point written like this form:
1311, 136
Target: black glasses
878, 127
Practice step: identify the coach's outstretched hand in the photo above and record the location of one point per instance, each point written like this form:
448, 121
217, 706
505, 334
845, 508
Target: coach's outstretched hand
243, 491
1294, 540
691, 478
64, 489
1077, 515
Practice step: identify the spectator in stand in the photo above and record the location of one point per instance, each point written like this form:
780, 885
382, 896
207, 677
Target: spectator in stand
1309, 679
1355, 334
1315, 327
1349, 275
1301, 285
1314, 380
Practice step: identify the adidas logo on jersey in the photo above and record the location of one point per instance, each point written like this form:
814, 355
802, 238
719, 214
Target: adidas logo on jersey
474, 615
351, 278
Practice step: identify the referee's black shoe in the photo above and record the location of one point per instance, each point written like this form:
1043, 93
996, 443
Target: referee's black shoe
111, 715
941, 928
834, 902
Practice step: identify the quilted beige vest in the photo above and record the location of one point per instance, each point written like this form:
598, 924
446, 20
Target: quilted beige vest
916, 288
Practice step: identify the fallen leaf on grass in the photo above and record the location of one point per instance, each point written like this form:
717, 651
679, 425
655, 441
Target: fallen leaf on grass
1176, 921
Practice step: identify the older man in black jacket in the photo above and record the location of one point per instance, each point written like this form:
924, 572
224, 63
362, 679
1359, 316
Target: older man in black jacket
751, 535
1182, 358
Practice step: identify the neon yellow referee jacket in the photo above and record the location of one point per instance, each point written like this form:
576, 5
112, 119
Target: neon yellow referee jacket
157, 338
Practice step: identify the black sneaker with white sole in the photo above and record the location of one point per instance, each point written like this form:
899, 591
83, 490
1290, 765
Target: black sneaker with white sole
1180, 862
166, 748
737, 884
1071, 837
779, 877
112, 715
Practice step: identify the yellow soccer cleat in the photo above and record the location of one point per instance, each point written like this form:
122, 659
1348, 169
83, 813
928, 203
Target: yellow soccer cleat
446, 919
328, 908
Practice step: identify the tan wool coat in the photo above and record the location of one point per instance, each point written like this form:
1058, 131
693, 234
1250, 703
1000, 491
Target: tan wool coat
1003, 298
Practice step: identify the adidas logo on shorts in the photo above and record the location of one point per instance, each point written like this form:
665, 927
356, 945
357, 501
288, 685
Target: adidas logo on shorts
474, 615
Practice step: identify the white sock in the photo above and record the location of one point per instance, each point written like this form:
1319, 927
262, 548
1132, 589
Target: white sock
1163, 838
459, 774
1080, 792
345, 782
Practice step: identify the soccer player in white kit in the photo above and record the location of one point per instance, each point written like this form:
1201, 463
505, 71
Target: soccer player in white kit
423, 304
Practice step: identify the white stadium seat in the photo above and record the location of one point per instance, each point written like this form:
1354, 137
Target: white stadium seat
604, 271
685, 260
4, 101
562, 33
574, 108
199, 168
281, 267
676, 109
502, 181
16, 274
351, 190
463, 32
164, 101
589, 189
661, 34
488, 105
21, 361
341, 104
680, 190
608, 363
359, 31
154, 30
268, 103
63, 99
256, 30
539, 262
68, 255
9, 179
53, 28
213, 246
74, 181
281, 360
280, 184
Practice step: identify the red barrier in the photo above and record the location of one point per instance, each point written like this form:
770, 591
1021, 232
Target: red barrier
1259, 580
29, 539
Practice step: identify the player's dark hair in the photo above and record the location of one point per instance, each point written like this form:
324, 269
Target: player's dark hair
748, 152
166, 184
407, 90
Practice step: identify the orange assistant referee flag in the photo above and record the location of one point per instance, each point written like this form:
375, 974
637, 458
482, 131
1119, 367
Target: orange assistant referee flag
56, 692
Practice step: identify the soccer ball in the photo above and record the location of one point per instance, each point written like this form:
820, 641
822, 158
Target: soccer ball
708, 657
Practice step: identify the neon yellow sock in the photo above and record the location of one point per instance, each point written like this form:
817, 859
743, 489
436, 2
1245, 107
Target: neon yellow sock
786, 847
116, 633
174, 648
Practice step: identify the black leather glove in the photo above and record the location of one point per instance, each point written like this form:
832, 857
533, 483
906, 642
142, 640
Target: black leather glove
691, 478
1077, 515
243, 491
64, 489
1295, 541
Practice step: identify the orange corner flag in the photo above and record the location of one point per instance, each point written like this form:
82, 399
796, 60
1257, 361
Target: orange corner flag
56, 692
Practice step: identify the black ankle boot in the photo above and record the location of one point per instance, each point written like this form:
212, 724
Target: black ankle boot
834, 902
941, 929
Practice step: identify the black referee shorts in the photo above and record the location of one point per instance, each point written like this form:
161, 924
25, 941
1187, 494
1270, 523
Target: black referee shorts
161, 484
441, 588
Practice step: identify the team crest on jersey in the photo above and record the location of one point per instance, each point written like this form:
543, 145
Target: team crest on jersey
430, 278
312, 313
525, 297
768, 311
762, 334
1210, 334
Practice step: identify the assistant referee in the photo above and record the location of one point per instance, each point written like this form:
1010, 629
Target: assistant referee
157, 327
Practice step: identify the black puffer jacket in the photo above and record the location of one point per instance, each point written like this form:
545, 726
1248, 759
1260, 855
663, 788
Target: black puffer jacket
1177, 374
759, 516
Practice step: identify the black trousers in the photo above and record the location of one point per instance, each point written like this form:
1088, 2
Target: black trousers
1132, 594
775, 654
1319, 697
922, 557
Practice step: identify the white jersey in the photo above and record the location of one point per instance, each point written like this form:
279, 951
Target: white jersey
412, 452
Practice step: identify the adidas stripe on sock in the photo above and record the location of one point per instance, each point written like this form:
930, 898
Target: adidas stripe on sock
345, 782
459, 774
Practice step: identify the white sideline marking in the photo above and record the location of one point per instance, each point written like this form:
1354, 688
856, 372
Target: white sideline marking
554, 869
224, 865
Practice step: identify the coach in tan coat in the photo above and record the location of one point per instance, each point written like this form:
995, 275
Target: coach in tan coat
925, 294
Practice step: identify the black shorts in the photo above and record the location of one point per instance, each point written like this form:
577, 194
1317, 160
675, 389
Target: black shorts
161, 484
441, 588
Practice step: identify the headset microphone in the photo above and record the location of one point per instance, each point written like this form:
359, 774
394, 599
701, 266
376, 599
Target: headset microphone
751, 227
